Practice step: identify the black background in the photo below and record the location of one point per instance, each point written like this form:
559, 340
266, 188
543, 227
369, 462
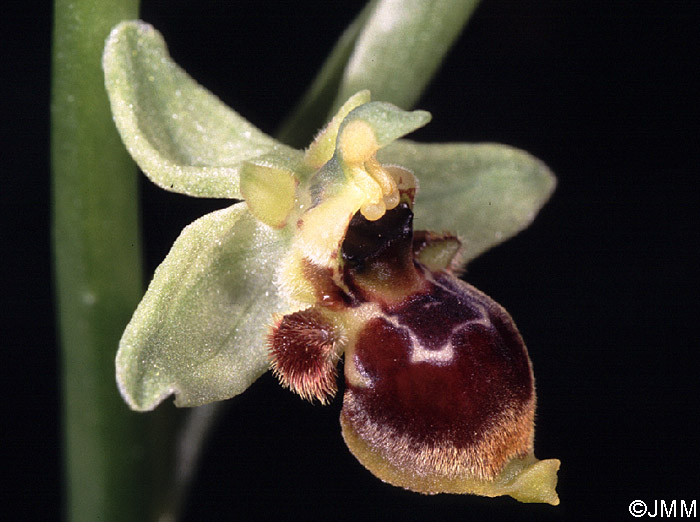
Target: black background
601, 286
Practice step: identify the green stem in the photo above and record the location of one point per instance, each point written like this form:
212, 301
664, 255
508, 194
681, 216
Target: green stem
393, 48
98, 271
313, 109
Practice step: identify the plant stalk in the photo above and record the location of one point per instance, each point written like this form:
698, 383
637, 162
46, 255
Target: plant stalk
98, 274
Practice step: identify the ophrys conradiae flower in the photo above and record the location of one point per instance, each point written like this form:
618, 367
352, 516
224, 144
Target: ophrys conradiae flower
320, 261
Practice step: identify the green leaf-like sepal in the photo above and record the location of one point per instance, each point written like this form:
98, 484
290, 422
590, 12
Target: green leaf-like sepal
199, 332
182, 136
485, 193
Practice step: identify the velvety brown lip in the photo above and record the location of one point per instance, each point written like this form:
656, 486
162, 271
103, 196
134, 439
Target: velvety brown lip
438, 379
442, 401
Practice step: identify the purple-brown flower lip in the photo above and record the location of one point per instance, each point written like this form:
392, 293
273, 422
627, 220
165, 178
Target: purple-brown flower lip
439, 392
447, 386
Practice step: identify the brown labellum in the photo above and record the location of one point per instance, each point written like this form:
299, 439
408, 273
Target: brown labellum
439, 391
439, 387
446, 390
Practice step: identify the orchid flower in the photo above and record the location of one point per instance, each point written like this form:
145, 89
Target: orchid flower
317, 259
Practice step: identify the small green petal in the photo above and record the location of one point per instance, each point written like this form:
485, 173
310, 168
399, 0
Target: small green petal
440, 254
485, 193
199, 332
269, 193
183, 137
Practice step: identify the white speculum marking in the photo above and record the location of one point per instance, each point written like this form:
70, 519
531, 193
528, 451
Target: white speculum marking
445, 354
358, 376
419, 354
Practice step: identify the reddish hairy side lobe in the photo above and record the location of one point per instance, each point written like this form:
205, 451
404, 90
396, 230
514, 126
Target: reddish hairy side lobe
303, 354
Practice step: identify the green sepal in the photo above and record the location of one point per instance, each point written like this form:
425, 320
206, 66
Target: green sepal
484, 193
200, 330
182, 136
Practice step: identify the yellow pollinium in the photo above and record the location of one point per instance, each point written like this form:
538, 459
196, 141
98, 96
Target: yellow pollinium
323, 146
357, 145
340, 176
